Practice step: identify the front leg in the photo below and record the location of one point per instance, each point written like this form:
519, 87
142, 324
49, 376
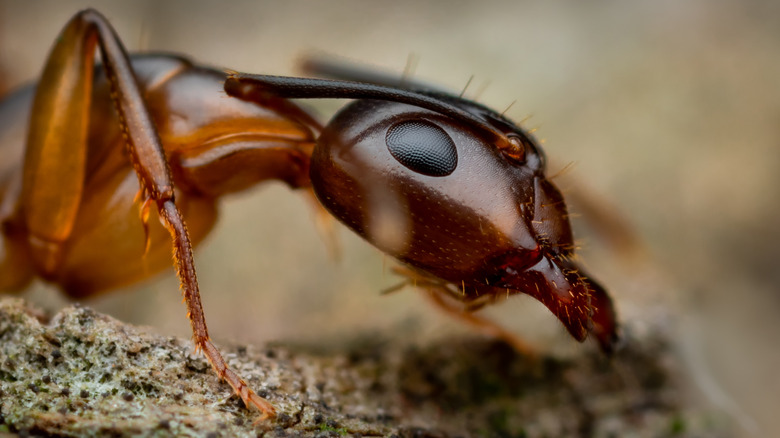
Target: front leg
55, 165
448, 298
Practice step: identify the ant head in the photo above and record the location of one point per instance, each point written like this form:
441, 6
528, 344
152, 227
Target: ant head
454, 189
436, 191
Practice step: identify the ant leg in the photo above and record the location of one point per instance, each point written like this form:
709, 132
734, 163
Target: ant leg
325, 224
440, 297
609, 224
443, 298
54, 170
185, 269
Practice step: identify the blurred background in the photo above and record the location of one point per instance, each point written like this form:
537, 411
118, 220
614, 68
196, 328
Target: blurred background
669, 112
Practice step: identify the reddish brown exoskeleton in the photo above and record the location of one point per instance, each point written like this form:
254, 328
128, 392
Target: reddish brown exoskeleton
450, 188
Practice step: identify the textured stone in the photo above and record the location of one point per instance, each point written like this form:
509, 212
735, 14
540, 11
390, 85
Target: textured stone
87, 374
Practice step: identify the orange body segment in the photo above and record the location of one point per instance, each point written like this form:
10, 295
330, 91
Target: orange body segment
98, 137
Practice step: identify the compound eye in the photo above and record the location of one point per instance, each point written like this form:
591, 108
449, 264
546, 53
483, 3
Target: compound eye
422, 147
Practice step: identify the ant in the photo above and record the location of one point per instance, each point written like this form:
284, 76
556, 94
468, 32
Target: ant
453, 190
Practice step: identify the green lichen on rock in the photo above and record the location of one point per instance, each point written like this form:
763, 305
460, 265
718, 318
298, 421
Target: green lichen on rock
86, 374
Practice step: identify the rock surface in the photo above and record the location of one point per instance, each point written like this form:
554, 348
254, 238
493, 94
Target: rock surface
87, 374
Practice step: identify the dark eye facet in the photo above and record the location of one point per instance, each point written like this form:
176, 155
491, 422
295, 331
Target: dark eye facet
422, 147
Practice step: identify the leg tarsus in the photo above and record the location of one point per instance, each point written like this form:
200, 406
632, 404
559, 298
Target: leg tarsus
185, 269
249, 397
